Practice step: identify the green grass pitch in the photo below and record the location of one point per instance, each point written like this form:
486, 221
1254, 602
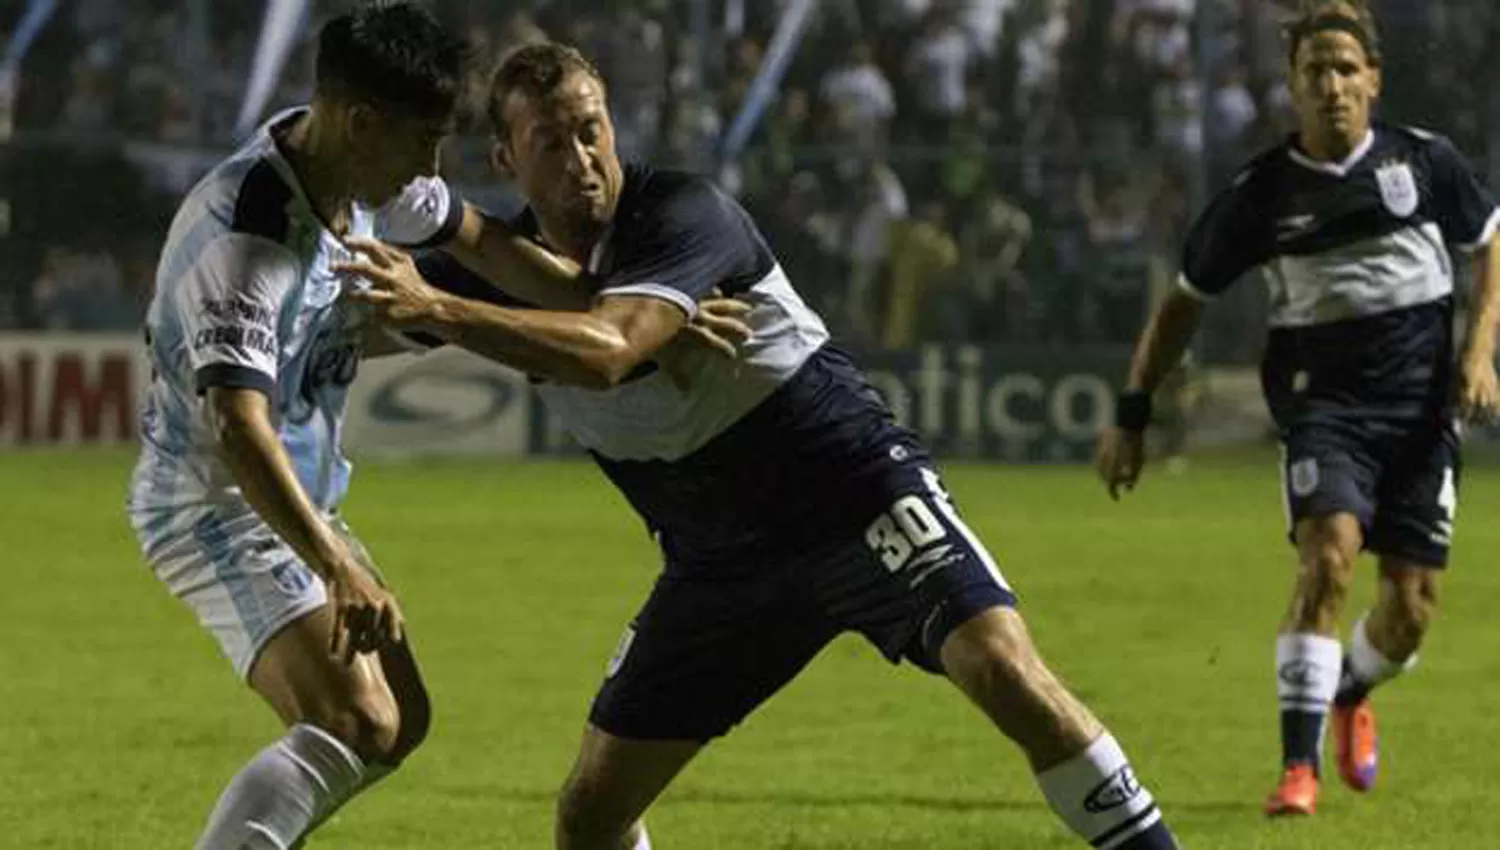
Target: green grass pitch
119, 721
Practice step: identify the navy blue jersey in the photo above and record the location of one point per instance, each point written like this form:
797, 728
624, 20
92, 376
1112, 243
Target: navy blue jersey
1356, 259
771, 453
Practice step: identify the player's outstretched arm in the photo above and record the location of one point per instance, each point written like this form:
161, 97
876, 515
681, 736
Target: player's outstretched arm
1122, 449
1478, 389
596, 348
517, 266
367, 614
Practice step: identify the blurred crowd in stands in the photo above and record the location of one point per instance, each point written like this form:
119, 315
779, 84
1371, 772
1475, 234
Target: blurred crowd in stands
989, 171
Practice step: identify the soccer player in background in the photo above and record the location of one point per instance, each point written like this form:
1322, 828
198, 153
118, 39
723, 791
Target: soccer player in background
788, 505
1349, 222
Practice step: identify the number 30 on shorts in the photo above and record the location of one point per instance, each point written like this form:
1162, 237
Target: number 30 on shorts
903, 530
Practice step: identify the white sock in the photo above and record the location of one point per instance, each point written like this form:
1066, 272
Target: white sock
1368, 664
1096, 794
1307, 671
644, 841
281, 793
1308, 668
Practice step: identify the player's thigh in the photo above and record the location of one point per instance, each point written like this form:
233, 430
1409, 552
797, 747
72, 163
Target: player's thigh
1419, 499
305, 683
704, 652
1328, 542
915, 574
614, 779
242, 581
268, 612
377, 703
1329, 477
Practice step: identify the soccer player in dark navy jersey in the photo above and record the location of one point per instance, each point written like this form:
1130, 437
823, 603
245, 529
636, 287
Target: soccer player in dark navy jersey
788, 505
1349, 222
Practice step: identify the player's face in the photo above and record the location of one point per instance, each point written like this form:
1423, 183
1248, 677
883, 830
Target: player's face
561, 153
390, 151
1334, 86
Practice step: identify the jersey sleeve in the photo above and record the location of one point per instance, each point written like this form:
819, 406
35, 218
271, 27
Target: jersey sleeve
1225, 242
230, 306
1462, 207
426, 214
694, 241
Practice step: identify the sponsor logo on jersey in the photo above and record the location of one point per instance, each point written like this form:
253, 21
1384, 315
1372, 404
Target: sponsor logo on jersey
1292, 226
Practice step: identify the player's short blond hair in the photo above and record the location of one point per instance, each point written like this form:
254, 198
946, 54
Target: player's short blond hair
533, 70
1349, 16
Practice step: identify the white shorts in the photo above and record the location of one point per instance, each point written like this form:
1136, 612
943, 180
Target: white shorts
237, 575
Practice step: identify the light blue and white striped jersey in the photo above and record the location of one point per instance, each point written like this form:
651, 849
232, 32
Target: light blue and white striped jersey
245, 297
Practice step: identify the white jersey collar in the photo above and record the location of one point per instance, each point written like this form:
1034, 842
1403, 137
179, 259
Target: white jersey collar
1337, 169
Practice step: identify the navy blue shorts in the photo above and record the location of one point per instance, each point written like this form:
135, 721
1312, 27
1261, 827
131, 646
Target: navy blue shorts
709, 647
1400, 481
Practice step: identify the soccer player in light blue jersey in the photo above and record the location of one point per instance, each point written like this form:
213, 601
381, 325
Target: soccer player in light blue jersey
252, 351
253, 346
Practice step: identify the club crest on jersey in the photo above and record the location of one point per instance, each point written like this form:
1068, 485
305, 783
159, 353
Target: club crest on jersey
1398, 188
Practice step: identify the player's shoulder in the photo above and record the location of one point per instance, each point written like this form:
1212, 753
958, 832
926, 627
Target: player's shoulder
679, 198
1408, 135
1263, 170
1423, 146
244, 194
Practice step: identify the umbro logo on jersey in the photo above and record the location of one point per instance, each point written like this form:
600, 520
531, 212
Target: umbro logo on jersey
1116, 791
1293, 226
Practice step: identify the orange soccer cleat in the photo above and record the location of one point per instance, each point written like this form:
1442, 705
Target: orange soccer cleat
1356, 744
1296, 793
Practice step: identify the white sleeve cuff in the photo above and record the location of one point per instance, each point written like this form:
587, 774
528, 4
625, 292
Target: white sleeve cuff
656, 290
1490, 227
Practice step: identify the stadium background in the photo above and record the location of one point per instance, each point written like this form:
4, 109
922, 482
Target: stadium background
983, 197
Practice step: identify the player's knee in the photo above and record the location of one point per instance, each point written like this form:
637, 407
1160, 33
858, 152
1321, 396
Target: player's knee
370, 725
415, 723
993, 649
1328, 572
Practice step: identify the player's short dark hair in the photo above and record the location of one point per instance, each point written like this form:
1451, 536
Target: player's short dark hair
1350, 16
534, 70
395, 55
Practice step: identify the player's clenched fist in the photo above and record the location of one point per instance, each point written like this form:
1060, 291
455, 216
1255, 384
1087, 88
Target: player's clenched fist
1121, 454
